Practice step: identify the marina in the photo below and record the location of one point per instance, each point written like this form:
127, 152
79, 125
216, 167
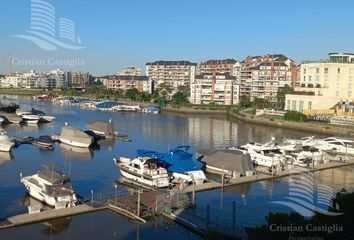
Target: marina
95, 173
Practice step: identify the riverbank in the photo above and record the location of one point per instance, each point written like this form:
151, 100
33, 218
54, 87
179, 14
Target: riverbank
313, 127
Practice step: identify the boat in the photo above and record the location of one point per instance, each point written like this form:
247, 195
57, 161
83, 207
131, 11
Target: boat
43, 142
153, 109
75, 137
5, 143
2, 120
52, 187
336, 145
179, 163
267, 157
11, 118
102, 128
144, 170
31, 118
233, 163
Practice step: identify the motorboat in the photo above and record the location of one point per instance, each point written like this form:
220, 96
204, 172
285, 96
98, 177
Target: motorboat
179, 163
52, 187
75, 137
102, 128
267, 157
336, 145
11, 118
43, 142
43, 117
144, 170
31, 118
5, 143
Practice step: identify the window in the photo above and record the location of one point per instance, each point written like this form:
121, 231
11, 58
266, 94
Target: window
337, 93
317, 70
293, 107
349, 93
288, 105
326, 70
310, 78
338, 71
304, 70
309, 105
301, 106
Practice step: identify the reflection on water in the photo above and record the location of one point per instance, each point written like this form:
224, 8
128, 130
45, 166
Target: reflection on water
5, 157
75, 153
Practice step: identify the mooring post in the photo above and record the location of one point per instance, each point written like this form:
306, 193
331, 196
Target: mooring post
138, 211
115, 186
233, 214
193, 195
207, 217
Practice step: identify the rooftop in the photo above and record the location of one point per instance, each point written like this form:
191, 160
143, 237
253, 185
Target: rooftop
181, 62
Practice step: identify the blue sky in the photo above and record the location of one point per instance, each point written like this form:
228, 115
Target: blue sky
119, 33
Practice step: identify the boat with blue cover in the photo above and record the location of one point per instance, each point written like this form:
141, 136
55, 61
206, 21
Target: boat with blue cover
179, 163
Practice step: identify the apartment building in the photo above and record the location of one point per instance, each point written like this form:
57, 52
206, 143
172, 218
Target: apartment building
225, 66
322, 84
171, 73
31, 80
80, 79
123, 83
214, 88
262, 76
129, 71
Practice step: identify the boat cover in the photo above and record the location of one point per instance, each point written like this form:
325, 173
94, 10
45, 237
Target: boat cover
106, 127
175, 160
45, 139
53, 176
231, 160
74, 134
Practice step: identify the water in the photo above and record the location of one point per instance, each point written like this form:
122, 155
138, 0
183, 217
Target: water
94, 170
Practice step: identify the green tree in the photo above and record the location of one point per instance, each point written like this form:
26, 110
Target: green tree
132, 94
260, 103
281, 95
245, 101
180, 98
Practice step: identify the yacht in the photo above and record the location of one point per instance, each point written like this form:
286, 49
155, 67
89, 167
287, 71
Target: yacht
180, 164
51, 187
267, 157
337, 145
43, 142
5, 143
75, 137
31, 118
144, 170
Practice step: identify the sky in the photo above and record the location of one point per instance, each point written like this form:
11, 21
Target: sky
118, 33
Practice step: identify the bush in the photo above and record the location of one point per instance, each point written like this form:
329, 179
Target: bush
295, 116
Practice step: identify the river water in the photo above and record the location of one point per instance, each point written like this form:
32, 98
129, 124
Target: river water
94, 170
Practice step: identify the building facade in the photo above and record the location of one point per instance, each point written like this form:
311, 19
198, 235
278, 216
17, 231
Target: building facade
130, 71
80, 79
214, 88
225, 66
123, 83
262, 76
171, 73
323, 84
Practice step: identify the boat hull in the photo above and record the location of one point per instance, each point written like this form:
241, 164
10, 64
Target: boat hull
75, 143
35, 192
152, 182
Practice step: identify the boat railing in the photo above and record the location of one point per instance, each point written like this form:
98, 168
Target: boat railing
104, 196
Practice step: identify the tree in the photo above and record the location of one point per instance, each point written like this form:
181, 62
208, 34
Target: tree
282, 91
180, 98
132, 94
260, 103
245, 101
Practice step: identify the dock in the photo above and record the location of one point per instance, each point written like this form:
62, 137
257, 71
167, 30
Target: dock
24, 219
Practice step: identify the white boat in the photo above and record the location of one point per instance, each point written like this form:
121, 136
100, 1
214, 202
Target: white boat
336, 145
51, 187
31, 118
5, 143
75, 137
267, 157
143, 170
46, 118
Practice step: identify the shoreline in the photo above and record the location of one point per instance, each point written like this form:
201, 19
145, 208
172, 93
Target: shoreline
312, 127
321, 128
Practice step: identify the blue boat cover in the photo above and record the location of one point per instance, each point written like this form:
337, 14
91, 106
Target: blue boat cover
175, 160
